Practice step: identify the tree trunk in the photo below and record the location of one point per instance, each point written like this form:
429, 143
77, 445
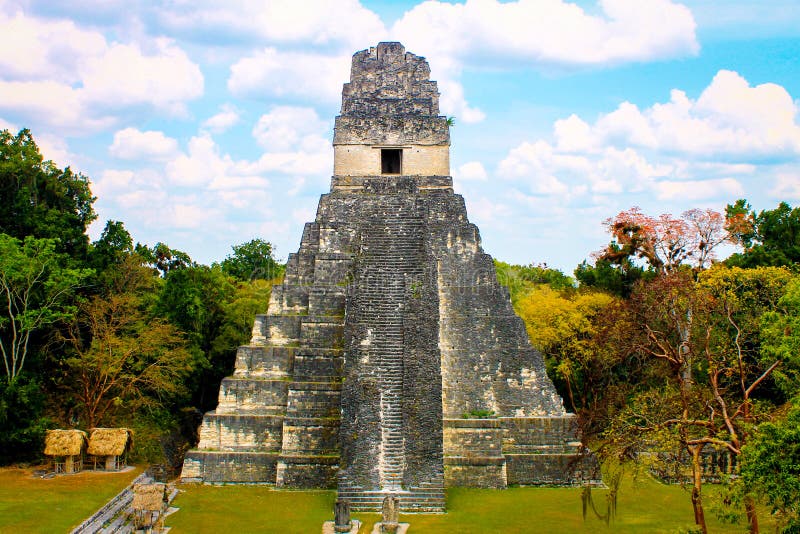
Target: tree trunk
697, 482
752, 514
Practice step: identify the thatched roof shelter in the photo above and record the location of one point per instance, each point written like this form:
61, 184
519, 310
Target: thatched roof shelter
64, 442
149, 497
110, 441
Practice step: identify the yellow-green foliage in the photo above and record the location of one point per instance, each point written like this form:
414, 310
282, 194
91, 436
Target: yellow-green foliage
557, 319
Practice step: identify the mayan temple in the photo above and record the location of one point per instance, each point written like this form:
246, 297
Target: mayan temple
390, 359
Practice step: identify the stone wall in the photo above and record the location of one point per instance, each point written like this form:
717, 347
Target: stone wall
418, 160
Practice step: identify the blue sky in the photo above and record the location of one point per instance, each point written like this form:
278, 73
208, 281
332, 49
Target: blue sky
205, 124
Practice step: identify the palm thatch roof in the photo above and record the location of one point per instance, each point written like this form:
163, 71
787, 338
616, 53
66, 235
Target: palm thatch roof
148, 497
64, 442
110, 441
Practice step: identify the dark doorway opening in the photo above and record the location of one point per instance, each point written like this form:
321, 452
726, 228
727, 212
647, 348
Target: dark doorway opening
391, 160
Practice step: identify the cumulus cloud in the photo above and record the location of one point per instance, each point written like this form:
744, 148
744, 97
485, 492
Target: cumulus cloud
345, 23
272, 73
787, 186
73, 80
699, 189
228, 116
133, 144
453, 103
471, 171
554, 32
731, 118
540, 34
200, 164
287, 126
703, 149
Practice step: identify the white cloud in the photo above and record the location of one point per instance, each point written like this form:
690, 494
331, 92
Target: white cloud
273, 73
56, 149
693, 190
787, 186
572, 134
191, 216
712, 149
730, 118
133, 144
52, 105
288, 126
112, 182
75, 81
551, 32
201, 165
453, 103
222, 121
543, 34
124, 75
52, 50
472, 170
344, 23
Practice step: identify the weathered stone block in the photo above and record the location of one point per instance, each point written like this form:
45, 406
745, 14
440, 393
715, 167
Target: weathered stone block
307, 472
284, 329
243, 396
226, 432
237, 467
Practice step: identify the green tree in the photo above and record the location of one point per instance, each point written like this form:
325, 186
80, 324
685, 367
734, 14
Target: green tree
249, 299
710, 327
114, 245
780, 338
36, 292
770, 468
770, 237
39, 199
21, 406
194, 300
615, 278
252, 261
164, 259
123, 360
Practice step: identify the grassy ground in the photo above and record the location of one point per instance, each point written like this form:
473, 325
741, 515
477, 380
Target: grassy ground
645, 506
54, 505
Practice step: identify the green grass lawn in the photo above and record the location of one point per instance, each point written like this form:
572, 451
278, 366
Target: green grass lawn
54, 505
645, 506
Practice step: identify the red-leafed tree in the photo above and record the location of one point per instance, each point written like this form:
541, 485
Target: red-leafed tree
665, 242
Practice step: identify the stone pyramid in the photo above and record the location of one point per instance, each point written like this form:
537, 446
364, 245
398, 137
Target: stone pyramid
390, 359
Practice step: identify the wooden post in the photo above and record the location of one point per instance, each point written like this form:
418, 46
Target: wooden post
69, 464
111, 463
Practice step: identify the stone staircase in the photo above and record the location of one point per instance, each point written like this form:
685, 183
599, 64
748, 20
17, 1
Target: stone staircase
426, 499
388, 273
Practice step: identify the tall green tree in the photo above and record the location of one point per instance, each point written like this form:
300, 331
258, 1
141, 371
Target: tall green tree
164, 259
769, 237
36, 291
252, 261
114, 245
122, 360
770, 469
39, 199
194, 300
